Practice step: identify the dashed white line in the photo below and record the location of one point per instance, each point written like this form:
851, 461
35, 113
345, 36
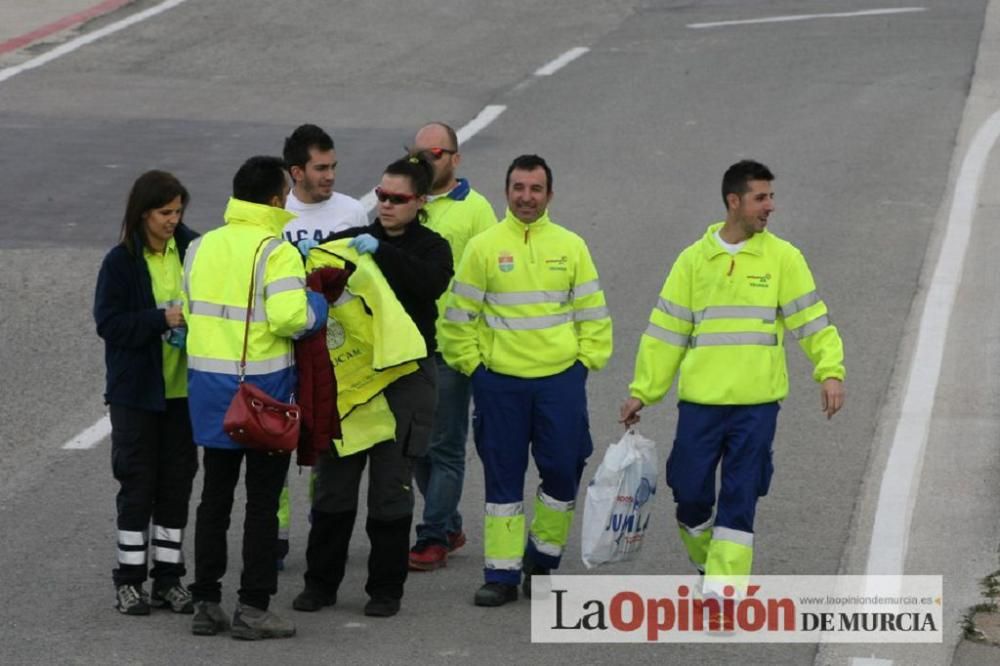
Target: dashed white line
83, 40
901, 478
554, 66
806, 17
91, 436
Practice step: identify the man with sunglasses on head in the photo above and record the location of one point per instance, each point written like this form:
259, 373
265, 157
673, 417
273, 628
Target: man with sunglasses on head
527, 320
456, 212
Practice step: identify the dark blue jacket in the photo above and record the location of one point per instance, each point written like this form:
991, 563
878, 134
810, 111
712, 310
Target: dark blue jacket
131, 326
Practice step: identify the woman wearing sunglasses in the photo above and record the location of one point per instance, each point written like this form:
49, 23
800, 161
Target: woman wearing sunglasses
417, 264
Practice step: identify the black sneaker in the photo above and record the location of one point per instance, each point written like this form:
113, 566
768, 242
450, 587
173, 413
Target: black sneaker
209, 619
311, 600
531, 569
174, 597
495, 594
383, 607
131, 600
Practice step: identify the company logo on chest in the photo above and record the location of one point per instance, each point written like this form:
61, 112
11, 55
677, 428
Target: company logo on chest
760, 281
505, 261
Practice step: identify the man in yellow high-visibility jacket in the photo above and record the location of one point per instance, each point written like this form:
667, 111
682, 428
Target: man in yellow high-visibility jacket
526, 318
720, 321
217, 280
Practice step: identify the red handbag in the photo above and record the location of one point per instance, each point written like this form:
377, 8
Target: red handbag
254, 419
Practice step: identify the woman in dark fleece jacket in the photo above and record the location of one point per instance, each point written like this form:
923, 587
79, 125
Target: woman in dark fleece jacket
137, 308
417, 264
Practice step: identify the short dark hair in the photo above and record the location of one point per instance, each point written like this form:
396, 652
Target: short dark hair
737, 178
296, 152
421, 175
529, 163
150, 191
260, 179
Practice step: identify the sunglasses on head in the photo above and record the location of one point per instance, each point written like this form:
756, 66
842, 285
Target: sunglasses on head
394, 198
436, 153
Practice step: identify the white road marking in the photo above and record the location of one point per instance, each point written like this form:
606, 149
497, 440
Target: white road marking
806, 17
489, 113
91, 436
901, 478
870, 661
566, 58
83, 40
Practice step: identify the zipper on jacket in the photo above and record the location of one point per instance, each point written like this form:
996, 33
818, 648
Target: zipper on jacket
531, 248
732, 265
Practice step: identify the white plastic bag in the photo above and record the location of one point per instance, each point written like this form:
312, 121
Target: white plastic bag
620, 501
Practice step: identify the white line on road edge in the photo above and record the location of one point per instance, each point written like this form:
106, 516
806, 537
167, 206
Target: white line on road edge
901, 478
807, 17
91, 436
560, 62
83, 40
489, 113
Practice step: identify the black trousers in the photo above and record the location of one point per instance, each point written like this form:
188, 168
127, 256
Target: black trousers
154, 460
265, 477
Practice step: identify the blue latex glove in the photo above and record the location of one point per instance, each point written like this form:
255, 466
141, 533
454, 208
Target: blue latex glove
364, 244
305, 245
177, 337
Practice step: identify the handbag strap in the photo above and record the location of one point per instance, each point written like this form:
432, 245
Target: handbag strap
250, 299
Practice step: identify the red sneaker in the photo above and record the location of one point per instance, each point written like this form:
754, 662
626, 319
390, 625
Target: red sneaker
455, 540
428, 557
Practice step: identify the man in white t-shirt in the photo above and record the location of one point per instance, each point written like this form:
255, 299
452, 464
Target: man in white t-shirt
312, 162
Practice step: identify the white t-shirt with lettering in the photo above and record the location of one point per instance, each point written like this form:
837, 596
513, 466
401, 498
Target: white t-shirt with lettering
319, 220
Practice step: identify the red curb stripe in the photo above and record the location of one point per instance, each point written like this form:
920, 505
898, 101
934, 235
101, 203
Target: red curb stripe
65, 22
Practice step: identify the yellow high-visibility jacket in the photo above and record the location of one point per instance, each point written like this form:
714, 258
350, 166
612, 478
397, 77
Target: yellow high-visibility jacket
526, 302
372, 342
721, 321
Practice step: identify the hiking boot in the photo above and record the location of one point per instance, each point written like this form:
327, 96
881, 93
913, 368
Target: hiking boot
209, 619
174, 597
383, 607
455, 540
495, 594
427, 556
531, 569
131, 600
311, 600
253, 624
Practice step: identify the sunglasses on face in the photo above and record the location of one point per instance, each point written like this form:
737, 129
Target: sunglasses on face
394, 198
436, 153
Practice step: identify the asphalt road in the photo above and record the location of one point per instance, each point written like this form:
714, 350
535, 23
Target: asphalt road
858, 118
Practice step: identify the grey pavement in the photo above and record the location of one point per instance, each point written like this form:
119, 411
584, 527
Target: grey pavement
860, 119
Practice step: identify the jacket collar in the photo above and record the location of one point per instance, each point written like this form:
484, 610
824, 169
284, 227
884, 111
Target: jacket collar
269, 218
521, 227
711, 248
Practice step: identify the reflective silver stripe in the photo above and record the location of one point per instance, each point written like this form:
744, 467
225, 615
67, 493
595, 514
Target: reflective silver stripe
169, 555
345, 297
504, 510
800, 303
131, 556
527, 297
585, 289
459, 315
527, 323
467, 290
310, 322
167, 534
674, 310
126, 538
169, 304
284, 284
544, 548
233, 367
188, 263
261, 269
554, 504
504, 565
671, 338
734, 536
590, 314
230, 312
810, 327
722, 339
737, 312
698, 530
